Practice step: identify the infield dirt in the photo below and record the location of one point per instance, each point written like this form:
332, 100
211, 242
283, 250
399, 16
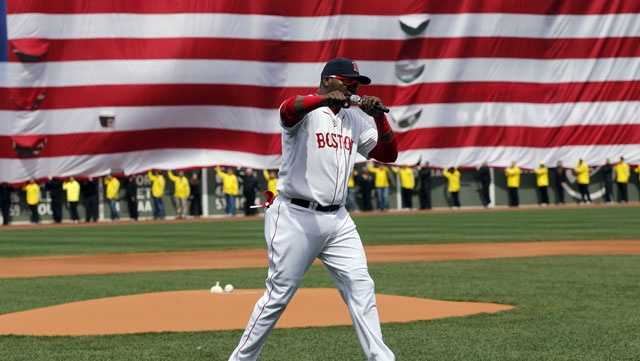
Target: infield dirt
22, 267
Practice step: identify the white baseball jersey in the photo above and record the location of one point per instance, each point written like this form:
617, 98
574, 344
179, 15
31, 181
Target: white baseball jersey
318, 156
319, 152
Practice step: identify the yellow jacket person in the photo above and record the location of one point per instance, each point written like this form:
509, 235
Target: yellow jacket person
181, 186
32, 191
453, 177
229, 182
513, 176
582, 172
542, 176
623, 171
157, 183
272, 180
380, 176
113, 187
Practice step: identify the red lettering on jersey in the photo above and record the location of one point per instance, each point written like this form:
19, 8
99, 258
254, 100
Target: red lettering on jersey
320, 140
327, 137
348, 143
334, 140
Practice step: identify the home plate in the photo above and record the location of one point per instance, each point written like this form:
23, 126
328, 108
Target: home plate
184, 311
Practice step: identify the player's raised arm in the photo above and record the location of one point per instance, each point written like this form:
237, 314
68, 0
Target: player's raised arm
386, 149
293, 109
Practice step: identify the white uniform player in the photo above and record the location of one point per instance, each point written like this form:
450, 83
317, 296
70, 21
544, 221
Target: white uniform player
307, 220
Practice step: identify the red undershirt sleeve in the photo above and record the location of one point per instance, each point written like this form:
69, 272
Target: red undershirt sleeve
386, 150
293, 109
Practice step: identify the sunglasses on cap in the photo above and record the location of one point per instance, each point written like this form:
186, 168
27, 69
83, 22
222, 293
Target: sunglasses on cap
346, 81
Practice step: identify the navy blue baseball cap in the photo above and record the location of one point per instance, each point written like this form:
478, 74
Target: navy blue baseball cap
344, 67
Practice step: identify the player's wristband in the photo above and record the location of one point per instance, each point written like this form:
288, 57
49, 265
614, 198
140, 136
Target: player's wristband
384, 129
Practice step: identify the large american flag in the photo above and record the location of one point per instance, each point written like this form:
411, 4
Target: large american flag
198, 82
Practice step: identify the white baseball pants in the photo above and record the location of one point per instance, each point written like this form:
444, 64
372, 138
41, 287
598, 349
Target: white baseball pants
295, 237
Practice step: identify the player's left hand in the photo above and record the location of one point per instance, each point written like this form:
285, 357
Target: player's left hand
372, 106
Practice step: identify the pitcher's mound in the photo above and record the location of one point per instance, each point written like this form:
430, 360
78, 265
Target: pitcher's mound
203, 311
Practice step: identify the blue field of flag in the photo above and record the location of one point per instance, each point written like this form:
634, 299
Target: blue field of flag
3, 31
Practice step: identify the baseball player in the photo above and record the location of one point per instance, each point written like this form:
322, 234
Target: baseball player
321, 135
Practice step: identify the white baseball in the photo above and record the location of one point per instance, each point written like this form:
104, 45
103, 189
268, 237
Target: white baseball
228, 288
216, 288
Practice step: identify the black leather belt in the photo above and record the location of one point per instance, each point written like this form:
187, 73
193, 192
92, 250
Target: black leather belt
307, 204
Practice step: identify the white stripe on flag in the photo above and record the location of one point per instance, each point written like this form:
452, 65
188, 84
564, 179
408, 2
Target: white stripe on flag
87, 73
115, 25
524, 157
85, 120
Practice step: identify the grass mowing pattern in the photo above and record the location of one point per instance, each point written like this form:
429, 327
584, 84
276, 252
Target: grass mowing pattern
568, 308
590, 223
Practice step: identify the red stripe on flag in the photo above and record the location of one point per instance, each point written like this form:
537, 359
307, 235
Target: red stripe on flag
314, 8
505, 136
271, 97
270, 144
59, 145
320, 51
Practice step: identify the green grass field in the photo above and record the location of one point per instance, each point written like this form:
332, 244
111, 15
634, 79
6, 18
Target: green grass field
568, 308
441, 227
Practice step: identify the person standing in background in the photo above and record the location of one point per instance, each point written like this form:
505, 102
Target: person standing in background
407, 184
638, 172
365, 183
381, 183
607, 179
56, 194
157, 193
484, 177
131, 195
424, 175
249, 190
513, 183
453, 176
32, 193
181, 193
623, 174
195, 207
271, 177
542, 183
112, 193
229, 189
90, 197
582, 178
72, 189
351, 203
559, 180
5, 203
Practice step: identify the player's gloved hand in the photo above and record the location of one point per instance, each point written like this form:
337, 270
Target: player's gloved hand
269, 196
372, 106
337, 99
